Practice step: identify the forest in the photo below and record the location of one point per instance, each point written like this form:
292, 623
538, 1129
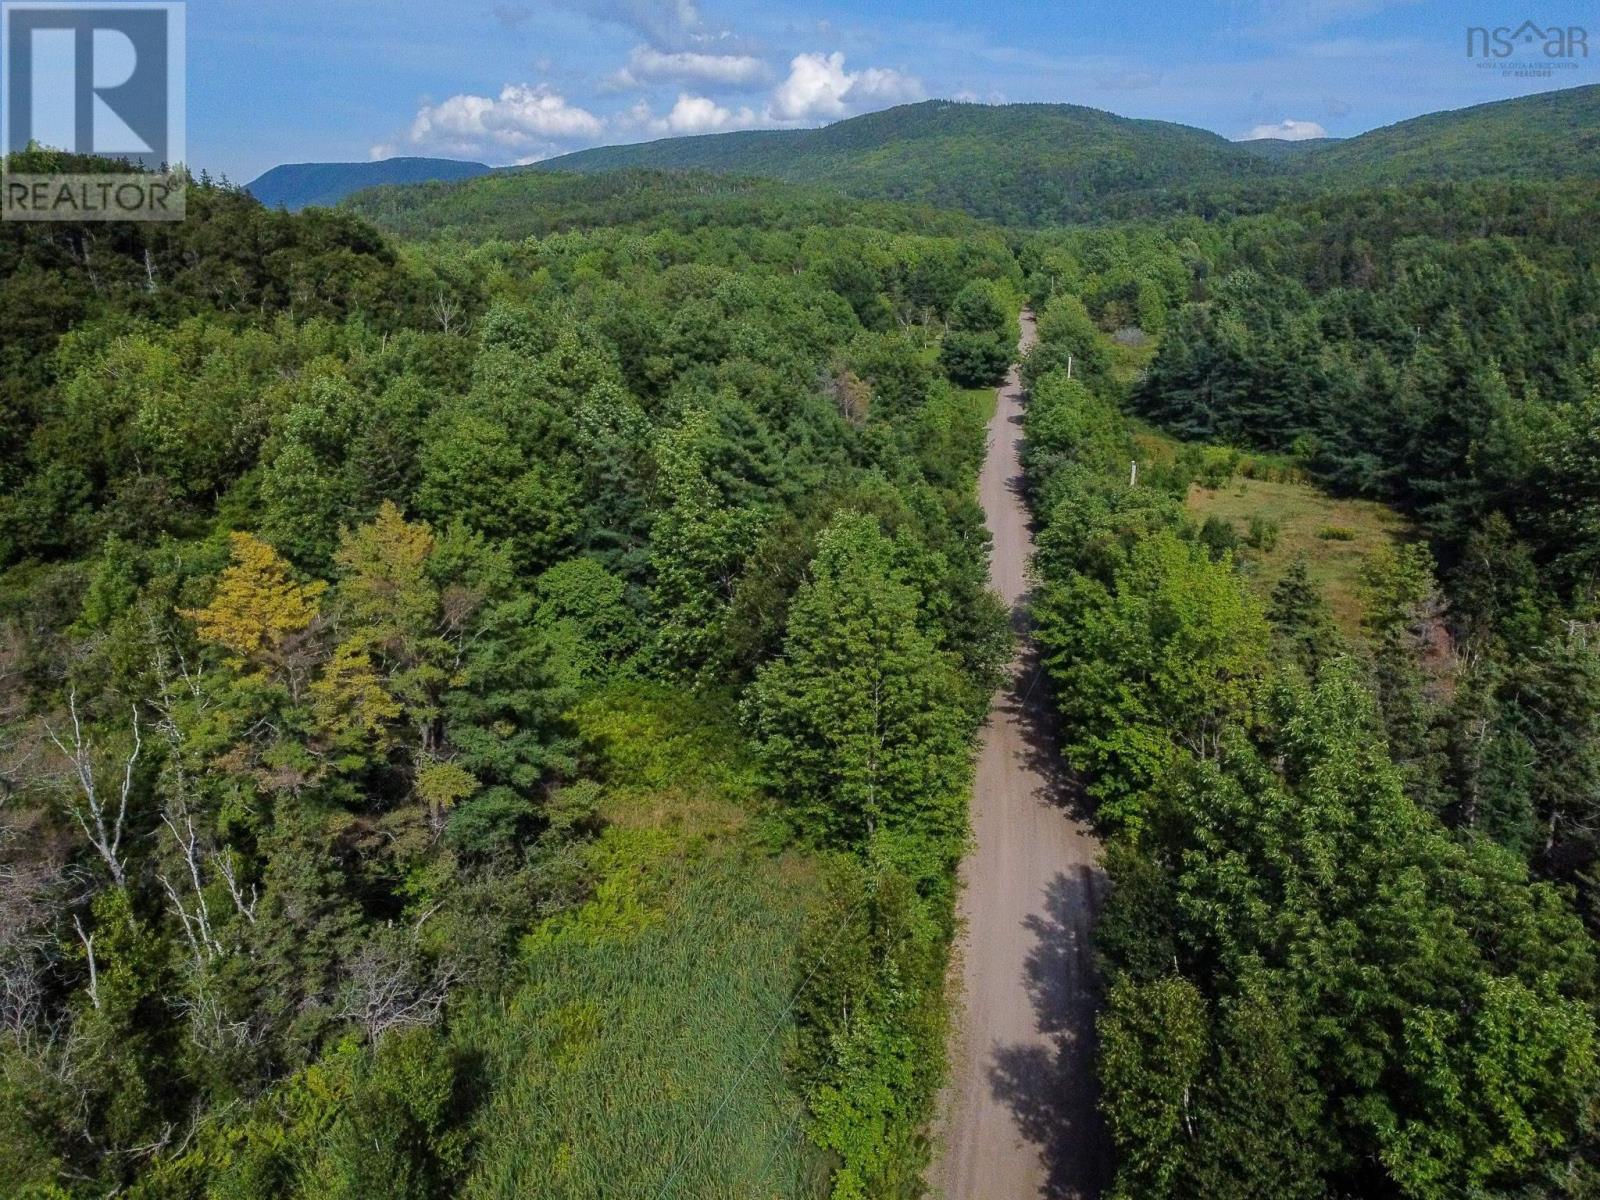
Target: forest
1349, 945
1043, 165
491, 674
404, 648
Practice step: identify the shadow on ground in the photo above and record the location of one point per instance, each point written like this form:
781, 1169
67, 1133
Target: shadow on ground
1052, 1089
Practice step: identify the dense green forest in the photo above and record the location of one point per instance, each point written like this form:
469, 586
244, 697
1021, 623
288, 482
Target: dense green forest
1045, 164
1018, 164
437, 696
490, 671
512, 205
1346, 946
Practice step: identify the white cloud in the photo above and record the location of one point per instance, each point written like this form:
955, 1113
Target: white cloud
525, 123
647, 65
664, 24
522, 121
691, 114
1288, 130
818, 88
882, 85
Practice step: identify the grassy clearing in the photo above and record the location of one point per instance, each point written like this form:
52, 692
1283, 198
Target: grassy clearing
982, 400
644, 1053
1158, 449
1335, 536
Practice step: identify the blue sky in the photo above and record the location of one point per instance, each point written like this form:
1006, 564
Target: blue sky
515, 80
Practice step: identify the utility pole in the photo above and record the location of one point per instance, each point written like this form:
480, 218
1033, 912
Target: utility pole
1133, 473
1069, 366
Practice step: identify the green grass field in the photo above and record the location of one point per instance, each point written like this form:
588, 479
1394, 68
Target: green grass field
643, 1055
1334, 535
982, 400
1306, 517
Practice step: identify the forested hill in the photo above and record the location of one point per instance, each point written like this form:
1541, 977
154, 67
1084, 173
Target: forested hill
1553, 135
520, 204
299, 185
1033, 164
1020, 164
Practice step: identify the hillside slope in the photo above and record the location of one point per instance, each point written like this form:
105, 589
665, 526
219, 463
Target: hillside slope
1552, 135
1018, 164
518, 204
1031, 164
298, 185
1024, 164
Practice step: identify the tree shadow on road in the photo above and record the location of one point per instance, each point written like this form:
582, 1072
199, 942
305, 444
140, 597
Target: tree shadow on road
1029, 702
1051, 1089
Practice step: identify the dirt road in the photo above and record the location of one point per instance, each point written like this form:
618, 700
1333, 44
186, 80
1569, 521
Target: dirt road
1018, 1118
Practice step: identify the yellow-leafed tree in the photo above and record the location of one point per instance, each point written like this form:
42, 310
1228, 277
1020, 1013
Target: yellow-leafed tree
260, 613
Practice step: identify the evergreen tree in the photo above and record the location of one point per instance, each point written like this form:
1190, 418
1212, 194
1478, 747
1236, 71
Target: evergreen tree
1301, 618
858, 722
1402, 613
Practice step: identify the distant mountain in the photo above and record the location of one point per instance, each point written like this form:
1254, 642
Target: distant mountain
516, 204
1284, 150
1552, 135
1023, 164
297, 185
1019, 164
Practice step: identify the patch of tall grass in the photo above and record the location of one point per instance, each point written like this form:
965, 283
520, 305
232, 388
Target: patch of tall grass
643, 1056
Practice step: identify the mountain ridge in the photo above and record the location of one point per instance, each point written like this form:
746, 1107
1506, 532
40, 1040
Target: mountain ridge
1035, 164
294, 186
1021, 164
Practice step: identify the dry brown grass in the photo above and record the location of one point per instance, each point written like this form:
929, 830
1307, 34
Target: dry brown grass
1304, 515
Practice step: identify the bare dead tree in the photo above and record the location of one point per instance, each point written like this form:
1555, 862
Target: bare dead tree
211, 1028
177, 815
178, 819
387, 988
851, 394
88, 950
100, 818
445, 308
195, 917
21, 997
30, 889
168, 675
224, 862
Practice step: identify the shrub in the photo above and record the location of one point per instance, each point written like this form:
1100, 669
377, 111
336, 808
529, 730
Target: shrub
1219, 536
1263, 535
974, 359
1218, 468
